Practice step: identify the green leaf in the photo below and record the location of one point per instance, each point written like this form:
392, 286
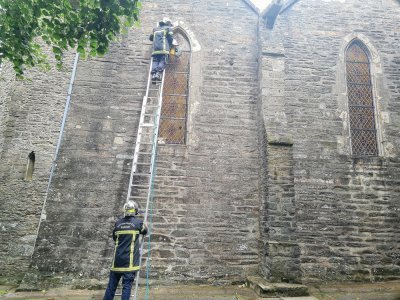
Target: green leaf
88, 25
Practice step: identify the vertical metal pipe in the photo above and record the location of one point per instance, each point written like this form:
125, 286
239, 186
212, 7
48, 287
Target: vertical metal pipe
71, 82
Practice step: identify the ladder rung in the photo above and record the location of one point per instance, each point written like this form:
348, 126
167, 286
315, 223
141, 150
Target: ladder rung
152, 106
136, 198
141, 174
147, 124
150, 112
147, 133
144, 164
140, 185
146, 153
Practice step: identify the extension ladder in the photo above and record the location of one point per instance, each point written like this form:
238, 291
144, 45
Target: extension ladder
144, 158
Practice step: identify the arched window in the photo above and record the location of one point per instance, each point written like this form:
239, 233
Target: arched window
173, 122
360, 101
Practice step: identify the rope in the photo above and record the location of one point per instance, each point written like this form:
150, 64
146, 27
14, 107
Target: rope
148, 262
151, 204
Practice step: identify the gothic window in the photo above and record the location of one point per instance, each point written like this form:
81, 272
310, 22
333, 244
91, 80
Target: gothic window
360, 101
173, 122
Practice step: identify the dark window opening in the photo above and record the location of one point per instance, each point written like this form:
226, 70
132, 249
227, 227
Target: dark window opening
30, 166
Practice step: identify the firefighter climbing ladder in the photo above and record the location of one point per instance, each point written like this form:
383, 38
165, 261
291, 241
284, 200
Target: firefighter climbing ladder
144, 158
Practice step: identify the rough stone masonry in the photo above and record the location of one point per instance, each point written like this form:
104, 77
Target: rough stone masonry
266, 183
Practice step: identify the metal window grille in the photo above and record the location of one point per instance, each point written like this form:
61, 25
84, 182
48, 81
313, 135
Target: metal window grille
361, 101
173, 121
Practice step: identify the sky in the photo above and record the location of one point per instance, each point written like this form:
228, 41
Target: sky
261, 4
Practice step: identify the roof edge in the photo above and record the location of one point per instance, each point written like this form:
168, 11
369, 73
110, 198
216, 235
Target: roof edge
271, 12
270, 7
252, 6
288, 5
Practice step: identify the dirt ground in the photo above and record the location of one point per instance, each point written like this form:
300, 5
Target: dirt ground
372, 291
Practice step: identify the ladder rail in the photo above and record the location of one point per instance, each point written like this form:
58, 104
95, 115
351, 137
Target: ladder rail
139, 134
154, 148
138, 141
151, 179
146, 103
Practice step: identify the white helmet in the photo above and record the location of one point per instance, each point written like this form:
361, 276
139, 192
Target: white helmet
165, 21
131, 208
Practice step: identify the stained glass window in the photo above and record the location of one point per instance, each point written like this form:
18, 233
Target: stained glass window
360, 101
173, 121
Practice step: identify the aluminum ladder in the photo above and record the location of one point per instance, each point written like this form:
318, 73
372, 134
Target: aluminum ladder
144, 158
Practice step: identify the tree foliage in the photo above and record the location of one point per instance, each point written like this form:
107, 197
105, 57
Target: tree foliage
87, 25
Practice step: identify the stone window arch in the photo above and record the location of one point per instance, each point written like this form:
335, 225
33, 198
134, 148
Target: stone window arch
174, 112
361, 102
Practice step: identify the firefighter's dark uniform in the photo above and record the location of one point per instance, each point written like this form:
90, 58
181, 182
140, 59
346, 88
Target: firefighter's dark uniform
126, 256
162, 38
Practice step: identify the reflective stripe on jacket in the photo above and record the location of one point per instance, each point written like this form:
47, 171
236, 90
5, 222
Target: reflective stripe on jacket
126, 236
162, 39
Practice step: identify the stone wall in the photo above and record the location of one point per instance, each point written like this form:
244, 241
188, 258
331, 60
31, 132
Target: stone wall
346, 210
266, 180
205, 224
216, 226
30, 116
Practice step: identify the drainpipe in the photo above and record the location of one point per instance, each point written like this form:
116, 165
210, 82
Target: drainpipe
53, 165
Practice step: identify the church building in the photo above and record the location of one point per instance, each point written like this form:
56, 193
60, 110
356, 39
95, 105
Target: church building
278, 149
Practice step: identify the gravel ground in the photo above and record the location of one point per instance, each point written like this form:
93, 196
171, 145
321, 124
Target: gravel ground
373, 291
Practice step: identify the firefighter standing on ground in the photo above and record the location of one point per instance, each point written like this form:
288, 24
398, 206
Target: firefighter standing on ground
126, 254
162, 38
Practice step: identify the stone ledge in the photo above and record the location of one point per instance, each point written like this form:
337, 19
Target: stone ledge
267, 289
